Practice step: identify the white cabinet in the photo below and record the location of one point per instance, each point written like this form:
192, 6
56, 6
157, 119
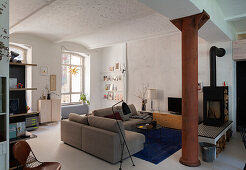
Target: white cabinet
50, 110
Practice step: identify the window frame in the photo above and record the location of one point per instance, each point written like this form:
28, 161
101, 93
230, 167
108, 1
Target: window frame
70, 79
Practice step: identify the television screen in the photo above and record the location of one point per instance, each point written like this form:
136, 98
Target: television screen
175, 105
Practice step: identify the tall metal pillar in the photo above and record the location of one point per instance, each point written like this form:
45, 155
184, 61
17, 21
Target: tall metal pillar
189, 27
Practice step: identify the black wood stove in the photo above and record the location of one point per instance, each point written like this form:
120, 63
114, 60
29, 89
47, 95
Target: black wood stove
215, 98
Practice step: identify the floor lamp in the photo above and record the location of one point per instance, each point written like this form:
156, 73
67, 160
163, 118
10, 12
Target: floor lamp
126, 111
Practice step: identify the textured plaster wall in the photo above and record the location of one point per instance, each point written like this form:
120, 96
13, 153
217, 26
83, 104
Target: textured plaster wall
46, 53
157, 62
110, 56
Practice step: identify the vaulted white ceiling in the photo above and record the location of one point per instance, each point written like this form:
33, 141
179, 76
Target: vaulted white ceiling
234, 12
98, 23
93, 23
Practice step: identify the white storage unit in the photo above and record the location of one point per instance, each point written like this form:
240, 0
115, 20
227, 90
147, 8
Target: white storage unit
50, 110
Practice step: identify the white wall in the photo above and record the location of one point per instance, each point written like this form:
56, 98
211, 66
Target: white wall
157, 62
46, 53
110, 56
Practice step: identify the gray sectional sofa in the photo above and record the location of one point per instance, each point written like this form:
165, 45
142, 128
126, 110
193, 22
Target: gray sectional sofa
129, 124
85, 132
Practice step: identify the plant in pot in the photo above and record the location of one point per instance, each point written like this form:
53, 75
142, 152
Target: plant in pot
83, 99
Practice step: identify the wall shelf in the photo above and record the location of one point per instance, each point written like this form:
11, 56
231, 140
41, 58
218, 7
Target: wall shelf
2, 114
23, 114
22, 64
22, 89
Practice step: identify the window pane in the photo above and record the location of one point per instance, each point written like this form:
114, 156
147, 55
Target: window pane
75, 97
65, 98
76, 80
65, 58
65, 79
18, 51
76, 60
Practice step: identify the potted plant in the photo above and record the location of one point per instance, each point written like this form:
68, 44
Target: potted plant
84, 99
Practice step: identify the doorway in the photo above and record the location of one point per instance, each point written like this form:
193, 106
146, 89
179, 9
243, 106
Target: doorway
241, 93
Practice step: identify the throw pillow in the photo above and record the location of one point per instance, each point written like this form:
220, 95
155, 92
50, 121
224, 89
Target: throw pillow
114, 116
123, 117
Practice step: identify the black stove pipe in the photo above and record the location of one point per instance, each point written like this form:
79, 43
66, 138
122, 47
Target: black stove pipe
214, 51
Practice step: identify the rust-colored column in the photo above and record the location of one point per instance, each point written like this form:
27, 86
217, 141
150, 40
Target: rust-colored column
189, 27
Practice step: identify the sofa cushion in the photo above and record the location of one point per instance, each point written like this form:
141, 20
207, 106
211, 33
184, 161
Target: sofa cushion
131, 107
131, 124
116, 116
103, 112
133, 110
106, 124
123, 117
78, 118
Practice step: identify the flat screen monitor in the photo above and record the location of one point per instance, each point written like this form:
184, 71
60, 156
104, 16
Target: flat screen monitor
175, 105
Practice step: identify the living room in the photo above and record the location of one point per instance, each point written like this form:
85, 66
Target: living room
82, 56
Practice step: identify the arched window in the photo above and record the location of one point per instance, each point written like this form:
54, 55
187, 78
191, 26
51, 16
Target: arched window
72, 77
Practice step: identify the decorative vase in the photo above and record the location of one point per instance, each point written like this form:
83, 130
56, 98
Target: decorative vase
48, 96
143, 105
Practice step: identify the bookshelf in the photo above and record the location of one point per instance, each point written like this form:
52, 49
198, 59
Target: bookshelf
19, 115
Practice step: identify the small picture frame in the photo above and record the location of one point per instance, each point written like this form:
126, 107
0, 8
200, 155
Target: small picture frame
43, 70
110, 96
52, 82
111, 68
117, 66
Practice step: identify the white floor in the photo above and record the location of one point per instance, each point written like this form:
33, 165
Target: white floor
48, 147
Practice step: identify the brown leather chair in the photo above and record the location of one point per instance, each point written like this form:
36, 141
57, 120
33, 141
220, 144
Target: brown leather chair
23, 153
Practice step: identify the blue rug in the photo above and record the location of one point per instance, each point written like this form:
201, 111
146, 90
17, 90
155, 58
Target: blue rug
157, 149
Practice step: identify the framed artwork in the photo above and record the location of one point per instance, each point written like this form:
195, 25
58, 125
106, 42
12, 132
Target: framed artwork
111, 68
110, 96
117, 66
43, 70
52, 82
